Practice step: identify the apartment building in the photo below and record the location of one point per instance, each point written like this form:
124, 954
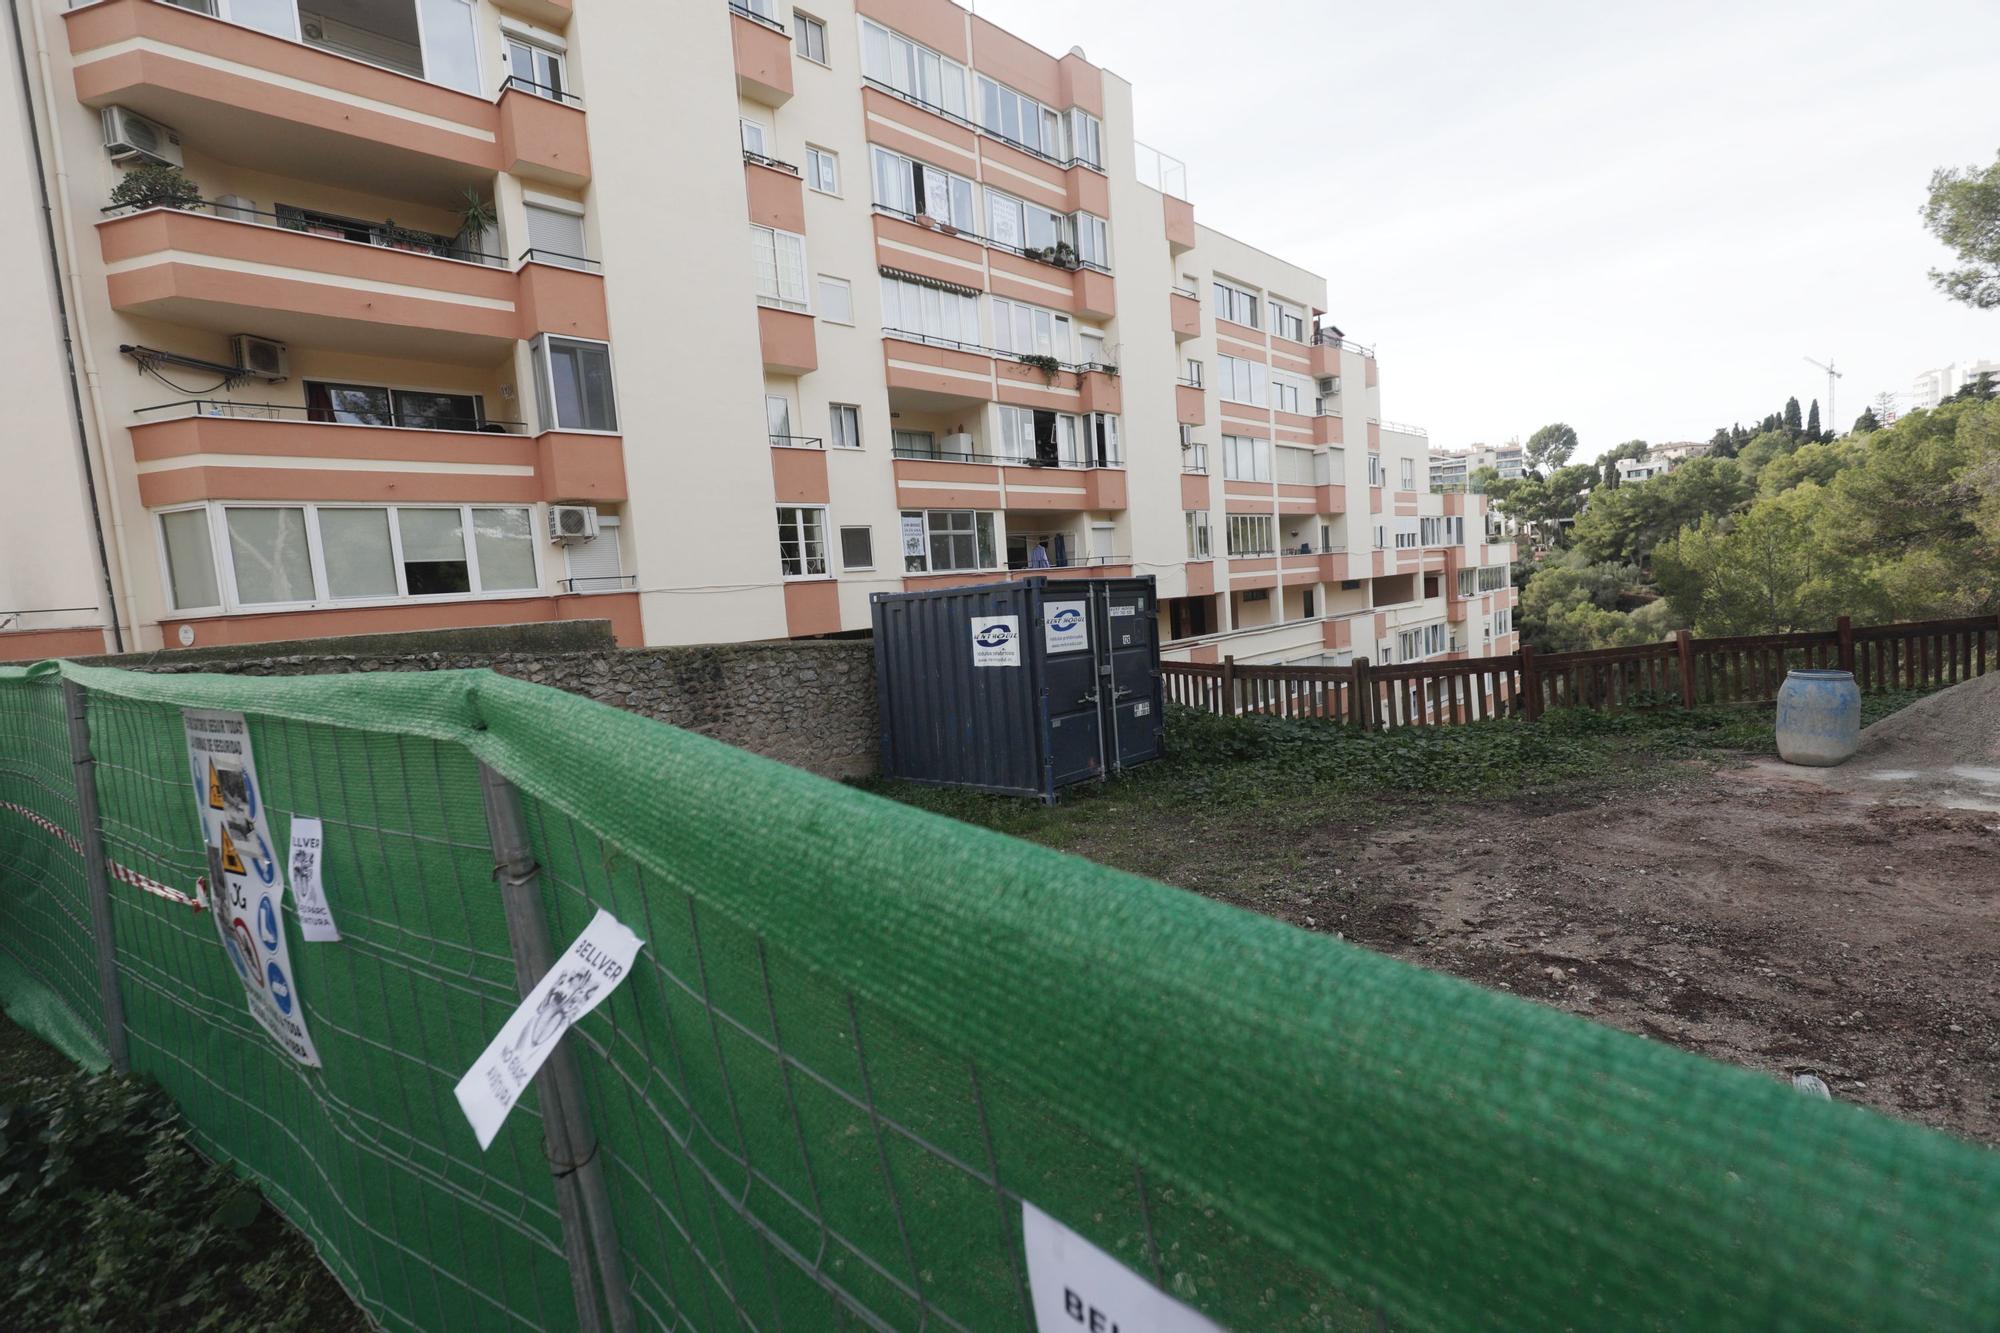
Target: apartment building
1659, 460
707, 319
1453, 469
1932, 387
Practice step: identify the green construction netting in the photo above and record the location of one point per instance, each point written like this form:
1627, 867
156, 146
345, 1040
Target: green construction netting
859, 1036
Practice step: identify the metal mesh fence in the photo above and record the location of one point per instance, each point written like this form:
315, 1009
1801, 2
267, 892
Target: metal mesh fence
859, 1039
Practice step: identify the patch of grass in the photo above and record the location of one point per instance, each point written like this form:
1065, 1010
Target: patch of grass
1308, 772
109, 1218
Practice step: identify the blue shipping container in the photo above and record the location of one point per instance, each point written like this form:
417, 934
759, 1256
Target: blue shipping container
1023, 688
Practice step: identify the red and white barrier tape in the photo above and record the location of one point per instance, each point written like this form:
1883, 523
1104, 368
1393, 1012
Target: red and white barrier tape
122, 873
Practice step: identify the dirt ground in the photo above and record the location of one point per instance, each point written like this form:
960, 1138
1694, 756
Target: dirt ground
1735, 912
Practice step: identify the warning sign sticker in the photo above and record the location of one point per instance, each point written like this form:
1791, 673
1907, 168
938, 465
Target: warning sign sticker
1077, 1286
248, 896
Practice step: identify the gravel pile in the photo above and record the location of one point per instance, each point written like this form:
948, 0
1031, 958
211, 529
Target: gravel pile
1944, 750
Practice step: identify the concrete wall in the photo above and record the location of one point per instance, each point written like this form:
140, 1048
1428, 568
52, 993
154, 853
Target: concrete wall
806, 703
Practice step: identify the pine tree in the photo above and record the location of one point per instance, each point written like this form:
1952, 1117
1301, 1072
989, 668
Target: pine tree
1792, 423
1866, 421
1812, 422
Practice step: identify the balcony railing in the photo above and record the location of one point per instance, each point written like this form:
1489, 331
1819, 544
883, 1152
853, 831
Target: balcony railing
1040, 254
384, 235
1404, 428
744, 11
1068, 562
558, 258
224, 407
599, 583
547, 93
797, 442
775, 164
921, 454
967, 123
1328, 338
979, 349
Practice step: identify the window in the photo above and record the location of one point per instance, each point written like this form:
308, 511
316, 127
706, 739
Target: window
1086, 137
929, 312
917, 72
1091, 348
1306, 604
1018, 225
913, 444
1036, 435
778, 419
374, 405
1101, 439
919, 189
1019, 119
555, 236
1407, 471
190, 558
1287, 392
944, 540
1243, 381
836, 300
596, 565
1406, 535
1236, 304
1503, 622
1251, 534
1424, 641
762, 8
573, 384
1295, 466
1431, 530
1492, 578
822, 170
1194, 456
844, 420
1288, 321
1375, 474
534, 68
1093, 239
1031, 330
1197, 534
302, 555
857, 548
1246, 459
779, 258
809, 37
1381, 536
1193, 378
802, 541
756, 139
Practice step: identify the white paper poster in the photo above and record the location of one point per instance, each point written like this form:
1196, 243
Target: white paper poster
589, 970
1078, 1288
913, 536
248, 902
996, 641
306, 868
1065, 627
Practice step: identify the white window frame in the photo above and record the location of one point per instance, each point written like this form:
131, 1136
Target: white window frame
1057, 328
841, 534
225, 564
778, 300
543, 48
823, 170
1093, 238
1376, 474
1251, 536
1287, 320
1232, 301
802, 24
964, 313
987, 518
1238, 379
166, 569
1194, 458
1241, 450
1200, 541
834, 413
827, 309
545, 385
748, 129
1047, 120
960, 191
806, 572
1406, 472
1086, 138
906, 76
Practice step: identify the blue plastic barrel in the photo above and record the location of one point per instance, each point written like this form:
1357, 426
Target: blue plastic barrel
1819, 717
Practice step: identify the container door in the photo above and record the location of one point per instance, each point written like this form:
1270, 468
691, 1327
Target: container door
1131, 679
1069, 673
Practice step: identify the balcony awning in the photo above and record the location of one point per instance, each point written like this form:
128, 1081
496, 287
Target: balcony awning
922, 280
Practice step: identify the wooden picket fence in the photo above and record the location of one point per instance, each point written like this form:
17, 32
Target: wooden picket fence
1682, 670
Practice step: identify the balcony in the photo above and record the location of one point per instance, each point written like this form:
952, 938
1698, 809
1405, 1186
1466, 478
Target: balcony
791, 345
1190, 404
777, 194
269, 103
205, 449
1180, 224
395, 298
763, 52
1185, 308
938, 479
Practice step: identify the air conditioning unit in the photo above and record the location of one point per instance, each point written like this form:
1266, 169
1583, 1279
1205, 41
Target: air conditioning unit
1329, 386
259, 356
129, 135
569, 524
957, 444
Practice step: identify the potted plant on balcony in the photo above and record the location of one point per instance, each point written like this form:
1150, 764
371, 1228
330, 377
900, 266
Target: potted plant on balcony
406, 238
476, 220
1048, 365
154, 186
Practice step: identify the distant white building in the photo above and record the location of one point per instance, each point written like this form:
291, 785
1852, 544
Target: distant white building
1932, 387
1659, 460
1452, 469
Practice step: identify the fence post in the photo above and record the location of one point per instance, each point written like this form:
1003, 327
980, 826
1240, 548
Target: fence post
96, 878
1684, 644
1846, 628
582, 1202
1531, 688
1361, 705
1229, 687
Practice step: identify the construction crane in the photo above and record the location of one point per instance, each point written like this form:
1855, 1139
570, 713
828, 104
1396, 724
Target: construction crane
1832, 417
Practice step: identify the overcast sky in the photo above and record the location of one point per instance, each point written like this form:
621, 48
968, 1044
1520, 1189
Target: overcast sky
1636, 218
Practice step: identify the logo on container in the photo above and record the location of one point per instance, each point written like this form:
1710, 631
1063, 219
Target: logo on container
994, 636
1066, 619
